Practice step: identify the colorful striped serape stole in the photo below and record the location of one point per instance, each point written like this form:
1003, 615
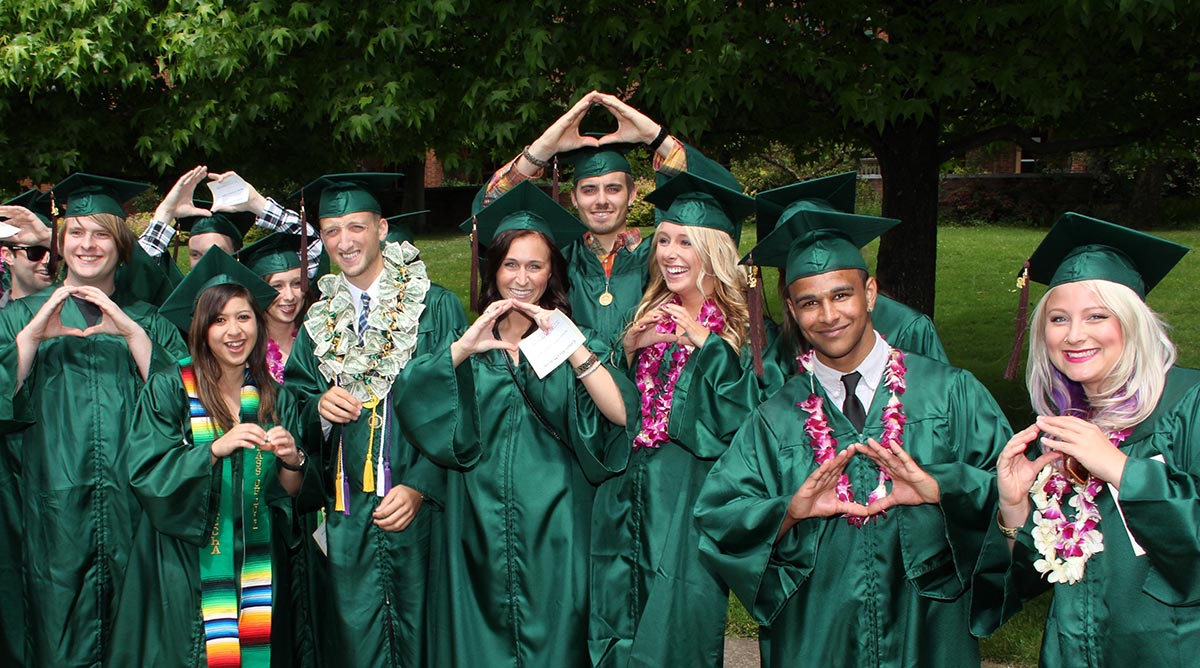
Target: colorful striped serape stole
235, 589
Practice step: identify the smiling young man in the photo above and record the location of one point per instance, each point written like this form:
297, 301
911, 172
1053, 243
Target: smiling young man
608, 266
380, 319
793, 515
73, 358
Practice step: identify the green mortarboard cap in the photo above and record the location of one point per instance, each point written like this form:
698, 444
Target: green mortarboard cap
1080, 248
87, 195
32, 199
232, 224
276, 252
800, 250
526, 207
590, 161
216, 268
344, 194
692, 200
398, 231
829, 193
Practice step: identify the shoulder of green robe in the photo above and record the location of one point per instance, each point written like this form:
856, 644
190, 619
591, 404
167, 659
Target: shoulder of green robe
1183, 384
441, 305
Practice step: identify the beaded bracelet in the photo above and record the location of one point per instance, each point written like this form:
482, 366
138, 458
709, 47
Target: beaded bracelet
588, 367
537, 162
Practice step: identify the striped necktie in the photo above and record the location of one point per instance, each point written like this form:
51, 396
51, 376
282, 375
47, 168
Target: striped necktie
362, 315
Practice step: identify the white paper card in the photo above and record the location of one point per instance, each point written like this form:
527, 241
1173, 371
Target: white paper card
319, 536
7, 230
229, 191
546, 350
1138, 550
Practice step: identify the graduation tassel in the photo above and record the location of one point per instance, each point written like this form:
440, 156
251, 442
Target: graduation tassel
303, 246
474, 265
1014, 358
368, 477
554, 179
754, 304
55, 214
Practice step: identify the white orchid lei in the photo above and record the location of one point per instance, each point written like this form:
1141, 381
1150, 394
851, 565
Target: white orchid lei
367, 370
1066, 544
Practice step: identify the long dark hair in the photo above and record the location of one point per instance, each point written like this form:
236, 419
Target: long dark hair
555, 296
209, 305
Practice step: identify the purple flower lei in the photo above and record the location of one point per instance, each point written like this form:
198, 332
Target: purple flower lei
825, 446
656, 398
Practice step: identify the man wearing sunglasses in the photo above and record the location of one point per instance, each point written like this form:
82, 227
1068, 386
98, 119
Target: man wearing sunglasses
25, 252
29, 269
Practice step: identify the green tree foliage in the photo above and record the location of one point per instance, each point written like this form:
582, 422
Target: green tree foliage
287, 89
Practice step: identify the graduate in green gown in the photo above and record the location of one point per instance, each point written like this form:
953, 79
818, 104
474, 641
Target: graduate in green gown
379, 321
1103, 506
512, 580
847, 513
808, 202
212, 469
72, 360
653, 602
277, 260
25, 252
608, 265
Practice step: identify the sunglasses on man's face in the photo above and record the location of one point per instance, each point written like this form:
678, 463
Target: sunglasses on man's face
34, 253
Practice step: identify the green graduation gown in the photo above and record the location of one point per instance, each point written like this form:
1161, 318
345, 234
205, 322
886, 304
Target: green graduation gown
906, 328
653, 602
510, 586
372, 586
588, 282
890, 593
1128, 610
159, 620
76, 402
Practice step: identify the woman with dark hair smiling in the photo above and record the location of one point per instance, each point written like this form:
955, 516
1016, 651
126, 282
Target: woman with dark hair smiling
513, 582
213, 471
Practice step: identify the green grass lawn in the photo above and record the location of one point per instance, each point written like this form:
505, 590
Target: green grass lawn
975, 314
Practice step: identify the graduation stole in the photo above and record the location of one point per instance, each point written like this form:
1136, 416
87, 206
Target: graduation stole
235, 589
374, 466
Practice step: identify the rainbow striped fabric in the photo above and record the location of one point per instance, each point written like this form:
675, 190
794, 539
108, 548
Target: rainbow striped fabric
235, 589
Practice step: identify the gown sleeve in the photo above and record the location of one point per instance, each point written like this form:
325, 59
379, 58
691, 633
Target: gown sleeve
443, 424
741, 507
978, 431
716, 391
171, 477
1161, 505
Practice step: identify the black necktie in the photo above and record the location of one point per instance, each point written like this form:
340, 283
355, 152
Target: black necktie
852, 408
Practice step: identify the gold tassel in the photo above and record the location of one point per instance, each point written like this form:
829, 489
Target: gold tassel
303, 246
754, 304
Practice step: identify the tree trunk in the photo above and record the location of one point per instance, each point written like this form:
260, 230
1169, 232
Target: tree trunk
909, 165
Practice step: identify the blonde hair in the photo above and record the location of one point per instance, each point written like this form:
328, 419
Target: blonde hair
123, 237
1135, 383
719, 256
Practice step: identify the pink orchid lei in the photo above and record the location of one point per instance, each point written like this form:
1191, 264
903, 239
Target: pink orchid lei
656, 398
1067, 544
825, 446
275, 363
